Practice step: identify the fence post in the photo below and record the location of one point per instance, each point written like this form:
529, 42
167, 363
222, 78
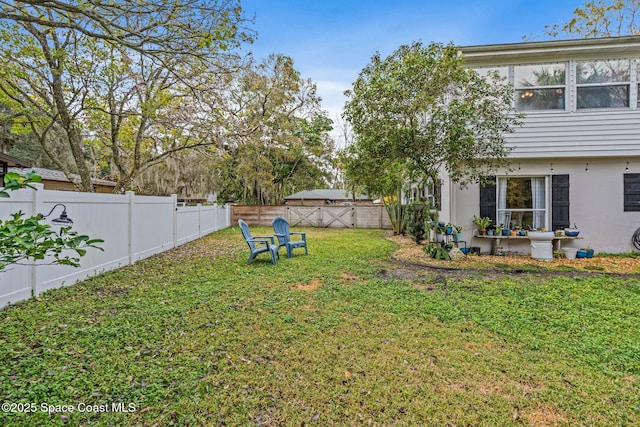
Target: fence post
37, 206
354, 218
174, 209
130, 213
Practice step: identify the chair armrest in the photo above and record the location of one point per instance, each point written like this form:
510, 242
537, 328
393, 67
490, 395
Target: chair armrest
302, 235
265, 237
265, 241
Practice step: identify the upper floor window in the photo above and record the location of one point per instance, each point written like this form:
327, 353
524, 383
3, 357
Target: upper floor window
602, 84
540, 86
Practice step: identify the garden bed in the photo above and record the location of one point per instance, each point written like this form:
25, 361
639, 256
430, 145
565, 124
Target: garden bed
409, 251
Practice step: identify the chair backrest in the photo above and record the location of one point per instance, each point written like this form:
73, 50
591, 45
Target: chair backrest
281, 227
246, 234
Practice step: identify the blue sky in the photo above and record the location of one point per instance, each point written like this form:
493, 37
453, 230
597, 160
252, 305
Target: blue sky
330, 41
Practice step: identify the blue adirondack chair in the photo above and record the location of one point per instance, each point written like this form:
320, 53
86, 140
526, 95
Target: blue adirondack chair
281, 229
258, 244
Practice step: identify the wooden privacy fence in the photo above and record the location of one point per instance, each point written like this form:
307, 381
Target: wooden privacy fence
314, 216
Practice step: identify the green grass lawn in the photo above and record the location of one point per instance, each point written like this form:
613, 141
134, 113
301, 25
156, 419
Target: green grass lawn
197, 337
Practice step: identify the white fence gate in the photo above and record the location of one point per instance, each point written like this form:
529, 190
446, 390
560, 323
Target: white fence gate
132, 227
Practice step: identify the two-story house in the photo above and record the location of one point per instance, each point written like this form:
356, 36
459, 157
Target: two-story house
576, 159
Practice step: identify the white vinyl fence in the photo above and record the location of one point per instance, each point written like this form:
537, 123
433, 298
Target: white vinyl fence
132, 227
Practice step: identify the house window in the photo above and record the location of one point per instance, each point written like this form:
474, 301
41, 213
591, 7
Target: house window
602, 84
522, 202
540, 87
632, 192
428, 191
637, 67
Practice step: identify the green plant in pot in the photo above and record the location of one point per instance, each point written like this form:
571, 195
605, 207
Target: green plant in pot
457, 233
440, 229
482, 223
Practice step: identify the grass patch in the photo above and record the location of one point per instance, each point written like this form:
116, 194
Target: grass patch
196, 337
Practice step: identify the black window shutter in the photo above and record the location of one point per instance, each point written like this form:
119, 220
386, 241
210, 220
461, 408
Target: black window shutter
632, 192
488, 198
559, 202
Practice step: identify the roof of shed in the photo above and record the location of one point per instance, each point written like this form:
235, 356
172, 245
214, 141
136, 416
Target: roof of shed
56, 175
13, 161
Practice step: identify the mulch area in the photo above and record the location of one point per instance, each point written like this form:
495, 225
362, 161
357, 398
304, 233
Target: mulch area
413, 255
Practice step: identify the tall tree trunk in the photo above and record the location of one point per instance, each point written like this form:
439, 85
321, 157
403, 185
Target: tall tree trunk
74, 137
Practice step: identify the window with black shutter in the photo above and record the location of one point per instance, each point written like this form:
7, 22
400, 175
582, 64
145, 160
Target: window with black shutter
488, 198
632, 192
559, 202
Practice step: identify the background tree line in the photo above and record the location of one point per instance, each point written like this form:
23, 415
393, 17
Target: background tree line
158, 96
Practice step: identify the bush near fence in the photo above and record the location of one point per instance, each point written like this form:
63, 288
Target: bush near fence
133, 227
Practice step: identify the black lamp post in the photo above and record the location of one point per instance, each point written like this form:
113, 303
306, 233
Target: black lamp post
63, 219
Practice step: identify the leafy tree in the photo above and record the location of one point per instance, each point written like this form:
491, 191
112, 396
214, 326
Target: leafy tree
143, 114
187, 174
278, 141
600, 18
420, 111
56, 54
156, 28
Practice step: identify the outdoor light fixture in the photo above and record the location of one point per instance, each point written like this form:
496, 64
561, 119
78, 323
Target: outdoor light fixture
586, 169
627, 168
63, 219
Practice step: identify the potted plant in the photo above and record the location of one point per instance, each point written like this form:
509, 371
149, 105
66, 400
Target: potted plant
440, 229
588, 251
457, 233
449, 229
482, 223
572, 232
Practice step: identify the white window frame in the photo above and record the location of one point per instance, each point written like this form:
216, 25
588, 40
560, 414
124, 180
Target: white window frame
502, 212
566, 87
628, 83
